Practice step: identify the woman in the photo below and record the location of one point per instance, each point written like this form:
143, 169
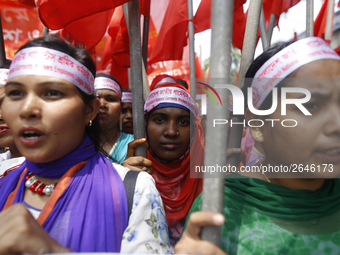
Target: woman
12, 157
174, 151
114, 142
285, 213
75, 194
127, 116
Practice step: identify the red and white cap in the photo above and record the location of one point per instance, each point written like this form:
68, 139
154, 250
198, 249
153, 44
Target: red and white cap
126, 97
49, 62
3, 75
107, 83
287, 61
174, 95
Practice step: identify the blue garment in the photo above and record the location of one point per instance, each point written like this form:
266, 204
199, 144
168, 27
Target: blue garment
120, 151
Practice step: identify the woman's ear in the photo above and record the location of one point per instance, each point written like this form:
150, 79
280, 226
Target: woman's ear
256, 132
92, 109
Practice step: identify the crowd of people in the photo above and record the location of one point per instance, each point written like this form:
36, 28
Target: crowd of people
70, 182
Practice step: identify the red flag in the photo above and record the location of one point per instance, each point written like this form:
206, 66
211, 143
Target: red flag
56, 14
202, 20
172, 35
20, 24
276, 7
89, 30
321, 20
145, 7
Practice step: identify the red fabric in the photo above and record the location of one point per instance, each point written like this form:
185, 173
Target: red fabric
172, 35
177, 189
50, 10
321, 20
145, 7
89, 30
20, 23
116, 53
277, 7
202, 20
28, 2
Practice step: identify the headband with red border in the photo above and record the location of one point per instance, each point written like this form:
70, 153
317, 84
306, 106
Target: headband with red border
49, 62
287, 61
126, 97
171, 94
107, 83
3, 75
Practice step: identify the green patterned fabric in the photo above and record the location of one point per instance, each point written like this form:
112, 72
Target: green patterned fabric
264, 218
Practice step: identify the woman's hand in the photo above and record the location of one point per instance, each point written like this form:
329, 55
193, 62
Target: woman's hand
20, 233
190, 242
137, 163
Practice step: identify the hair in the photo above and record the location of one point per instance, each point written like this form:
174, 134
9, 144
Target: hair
183, 83
81, 55
7, 64
255, 66
126, 90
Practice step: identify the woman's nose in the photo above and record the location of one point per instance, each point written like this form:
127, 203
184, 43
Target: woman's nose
30, 108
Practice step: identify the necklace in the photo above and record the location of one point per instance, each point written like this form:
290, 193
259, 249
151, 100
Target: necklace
34, 185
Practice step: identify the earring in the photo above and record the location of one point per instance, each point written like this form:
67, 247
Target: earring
90, 123
177, 133
257, 134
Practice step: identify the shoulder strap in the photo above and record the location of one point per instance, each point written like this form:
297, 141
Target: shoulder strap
130, 184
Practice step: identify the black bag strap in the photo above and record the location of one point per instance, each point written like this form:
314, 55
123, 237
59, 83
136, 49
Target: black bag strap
130, 184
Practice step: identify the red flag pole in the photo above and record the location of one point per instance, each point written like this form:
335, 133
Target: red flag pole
271, 27
2, 46
136, 80
192, 61
46, 30
248, 51
146, 23
263, 31
329, 21
217, 137
310, 18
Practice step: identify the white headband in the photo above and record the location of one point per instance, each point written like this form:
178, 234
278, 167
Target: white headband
49, 62
287, 61
171, 95
107, 83
165, 80
126, 97
3, 75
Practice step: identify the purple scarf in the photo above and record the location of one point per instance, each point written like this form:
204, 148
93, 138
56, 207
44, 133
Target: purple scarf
91, 214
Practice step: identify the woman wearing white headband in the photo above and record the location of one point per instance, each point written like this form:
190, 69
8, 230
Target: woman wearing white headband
127, 117
113, 141
12, 157
295, 208
66, 196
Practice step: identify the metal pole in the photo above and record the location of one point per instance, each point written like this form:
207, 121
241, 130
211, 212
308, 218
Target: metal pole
45, 31
310, 18
192, 50
145, 40
136, 74
329, 21
248, 51
271, 27
217, 137
263, 31
146, 88
2, 47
